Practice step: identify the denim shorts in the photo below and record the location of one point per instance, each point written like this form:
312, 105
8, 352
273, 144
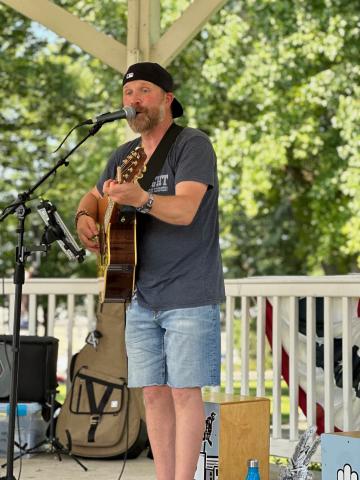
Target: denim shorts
179, 348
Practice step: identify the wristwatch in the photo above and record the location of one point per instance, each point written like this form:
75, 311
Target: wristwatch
147, 206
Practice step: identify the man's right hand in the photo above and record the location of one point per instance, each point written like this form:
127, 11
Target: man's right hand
88, 233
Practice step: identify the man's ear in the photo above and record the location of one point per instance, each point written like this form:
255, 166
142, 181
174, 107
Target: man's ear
169, 97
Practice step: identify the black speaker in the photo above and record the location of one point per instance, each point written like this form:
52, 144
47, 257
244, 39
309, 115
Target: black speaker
37, 368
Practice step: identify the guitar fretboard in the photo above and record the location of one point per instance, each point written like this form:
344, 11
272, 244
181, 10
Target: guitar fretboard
108, 213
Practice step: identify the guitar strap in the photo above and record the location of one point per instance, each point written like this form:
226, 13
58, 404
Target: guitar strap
158, 157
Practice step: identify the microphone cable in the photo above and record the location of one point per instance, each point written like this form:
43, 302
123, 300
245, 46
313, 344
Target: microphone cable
125, 112
86, 122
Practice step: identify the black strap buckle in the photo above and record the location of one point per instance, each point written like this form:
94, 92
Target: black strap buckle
94, 419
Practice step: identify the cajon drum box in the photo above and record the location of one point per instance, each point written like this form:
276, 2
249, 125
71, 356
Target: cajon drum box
237, 428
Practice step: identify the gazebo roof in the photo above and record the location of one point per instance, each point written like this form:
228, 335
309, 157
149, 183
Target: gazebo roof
144, 42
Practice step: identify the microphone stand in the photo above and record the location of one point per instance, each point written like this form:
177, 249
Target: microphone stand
21, 211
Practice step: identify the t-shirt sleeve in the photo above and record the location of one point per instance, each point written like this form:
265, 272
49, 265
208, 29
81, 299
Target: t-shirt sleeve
196, 161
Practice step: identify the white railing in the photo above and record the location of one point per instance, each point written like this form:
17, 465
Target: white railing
70, 305
59, 307
340, 295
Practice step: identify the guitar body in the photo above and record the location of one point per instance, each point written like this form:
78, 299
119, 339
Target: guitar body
117, 238
118, 259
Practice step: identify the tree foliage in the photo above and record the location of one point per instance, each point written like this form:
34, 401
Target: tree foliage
48, 87
280, 97
275, 83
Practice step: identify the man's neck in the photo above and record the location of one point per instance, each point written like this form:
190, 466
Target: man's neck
151, 139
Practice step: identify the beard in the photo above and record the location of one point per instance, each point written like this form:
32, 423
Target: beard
147, 119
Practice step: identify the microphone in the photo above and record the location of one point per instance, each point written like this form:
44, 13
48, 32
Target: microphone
126, 112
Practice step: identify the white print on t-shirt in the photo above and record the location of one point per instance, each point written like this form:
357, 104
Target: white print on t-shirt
160, 184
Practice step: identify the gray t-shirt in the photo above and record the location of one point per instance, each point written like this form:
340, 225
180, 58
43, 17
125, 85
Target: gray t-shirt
178, 266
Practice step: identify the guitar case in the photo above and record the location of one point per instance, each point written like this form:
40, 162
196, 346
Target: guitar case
101, 417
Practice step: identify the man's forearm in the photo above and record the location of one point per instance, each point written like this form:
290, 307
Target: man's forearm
89, 203
174, 209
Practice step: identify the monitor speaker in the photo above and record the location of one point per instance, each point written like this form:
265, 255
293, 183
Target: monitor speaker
37, 368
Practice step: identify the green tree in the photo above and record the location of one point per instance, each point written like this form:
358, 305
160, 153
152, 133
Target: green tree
286, 128
48, 86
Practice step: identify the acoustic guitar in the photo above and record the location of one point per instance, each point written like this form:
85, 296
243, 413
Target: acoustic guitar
117, 237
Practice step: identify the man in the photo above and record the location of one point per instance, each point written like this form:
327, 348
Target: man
173, 326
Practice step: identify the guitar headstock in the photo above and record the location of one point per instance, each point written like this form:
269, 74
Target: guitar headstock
132, 167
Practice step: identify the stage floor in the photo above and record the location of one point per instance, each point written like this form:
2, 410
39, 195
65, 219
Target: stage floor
48, 467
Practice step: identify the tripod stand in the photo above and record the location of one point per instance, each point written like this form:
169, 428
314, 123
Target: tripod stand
55, 447
21, 211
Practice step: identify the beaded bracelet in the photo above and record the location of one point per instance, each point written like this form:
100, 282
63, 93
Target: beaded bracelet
79, 214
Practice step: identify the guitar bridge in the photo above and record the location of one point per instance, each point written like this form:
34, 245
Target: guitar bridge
123, 268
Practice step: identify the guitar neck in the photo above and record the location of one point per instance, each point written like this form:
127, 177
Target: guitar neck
108, 213
110, 203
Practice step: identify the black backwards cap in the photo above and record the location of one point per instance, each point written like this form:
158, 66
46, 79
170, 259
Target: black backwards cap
154, 73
